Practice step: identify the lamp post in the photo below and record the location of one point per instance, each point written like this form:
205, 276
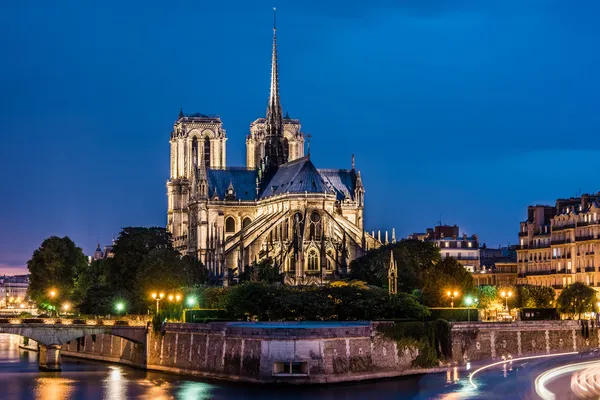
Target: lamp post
52, 296
158, 298
468, 302
119, 307
66, 307
506, 296
452, 296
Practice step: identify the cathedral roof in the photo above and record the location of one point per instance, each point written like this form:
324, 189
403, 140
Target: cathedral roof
243, 181
297, 176
341, 180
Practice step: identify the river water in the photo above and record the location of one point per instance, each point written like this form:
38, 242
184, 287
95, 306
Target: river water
20, 379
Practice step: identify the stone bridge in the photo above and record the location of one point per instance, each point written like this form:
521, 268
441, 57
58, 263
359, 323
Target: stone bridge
52, 333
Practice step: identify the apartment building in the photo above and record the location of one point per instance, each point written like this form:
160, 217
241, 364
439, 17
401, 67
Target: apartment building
560, 245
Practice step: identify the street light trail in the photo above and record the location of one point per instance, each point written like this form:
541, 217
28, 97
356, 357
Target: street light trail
544, 378
512, 360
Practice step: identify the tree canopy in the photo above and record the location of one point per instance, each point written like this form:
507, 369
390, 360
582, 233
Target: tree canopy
576, 299
55, 265
413, 258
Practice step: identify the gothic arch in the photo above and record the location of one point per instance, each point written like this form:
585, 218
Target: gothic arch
229, 225
246, 221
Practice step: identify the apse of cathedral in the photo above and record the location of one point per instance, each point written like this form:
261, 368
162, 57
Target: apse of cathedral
308, 221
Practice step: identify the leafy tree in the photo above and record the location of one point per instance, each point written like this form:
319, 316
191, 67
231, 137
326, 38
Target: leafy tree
533, 296
55, 265
130, 252
576, 299
446, 275
93, 275
262, 271
264, 302
413, 258
145, 261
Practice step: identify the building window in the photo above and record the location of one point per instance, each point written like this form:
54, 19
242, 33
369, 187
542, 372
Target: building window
195, 152
315, 226
246, 222
459, 244
229, 225
207, 152
313, 261
470, 244
330, 261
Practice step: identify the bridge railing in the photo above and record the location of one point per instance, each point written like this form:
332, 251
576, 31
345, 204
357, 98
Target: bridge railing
74, 321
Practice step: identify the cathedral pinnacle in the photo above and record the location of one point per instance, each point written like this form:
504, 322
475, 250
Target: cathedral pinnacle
274, 121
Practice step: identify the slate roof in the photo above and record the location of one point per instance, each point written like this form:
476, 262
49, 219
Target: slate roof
243, 180
297, 176
341, 180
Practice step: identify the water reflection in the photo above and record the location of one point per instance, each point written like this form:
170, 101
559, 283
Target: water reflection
115, 386
194, 391
53, 388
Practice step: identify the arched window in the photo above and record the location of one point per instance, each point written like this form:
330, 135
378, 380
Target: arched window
229, 225
246, 222
195, 152
315, 226
313, 261
207, 152
330, 261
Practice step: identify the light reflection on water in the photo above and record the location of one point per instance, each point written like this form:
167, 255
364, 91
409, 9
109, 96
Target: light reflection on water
80, 379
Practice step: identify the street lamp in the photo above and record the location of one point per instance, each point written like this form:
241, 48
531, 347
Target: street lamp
52, 296
158, 298
468, 302
506, 296
191, 301
452, 296
66, 307
119, 307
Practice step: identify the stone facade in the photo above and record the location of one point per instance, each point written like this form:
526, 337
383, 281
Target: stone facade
560, 245
309, 221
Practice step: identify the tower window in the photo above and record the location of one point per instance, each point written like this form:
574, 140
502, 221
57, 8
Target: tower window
207, 152
229, 225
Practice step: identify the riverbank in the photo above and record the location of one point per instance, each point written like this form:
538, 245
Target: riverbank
318, 352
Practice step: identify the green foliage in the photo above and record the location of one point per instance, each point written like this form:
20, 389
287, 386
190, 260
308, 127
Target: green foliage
213, 297
533, 296
413, 258
576, 299
431, 339
446, 275
263, 302
262, 271
454, 314
55, 264
91, 276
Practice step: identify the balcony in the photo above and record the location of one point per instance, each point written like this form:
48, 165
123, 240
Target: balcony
562, 228
560, 241
589, 253
558, 286
578, 270
543, 272
590, 269
521, 234
584, 238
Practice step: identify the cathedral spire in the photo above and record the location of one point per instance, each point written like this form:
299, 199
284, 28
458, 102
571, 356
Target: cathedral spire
276, 148
274, 121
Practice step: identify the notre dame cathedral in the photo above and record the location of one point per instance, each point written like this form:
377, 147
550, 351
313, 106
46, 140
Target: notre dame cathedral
309, 221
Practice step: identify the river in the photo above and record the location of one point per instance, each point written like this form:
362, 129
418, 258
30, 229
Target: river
20, 379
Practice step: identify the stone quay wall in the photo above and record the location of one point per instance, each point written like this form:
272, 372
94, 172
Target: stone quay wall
492, 341
250, 353
319, 353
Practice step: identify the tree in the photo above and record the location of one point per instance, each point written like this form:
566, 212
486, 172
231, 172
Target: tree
130, 251
55, 265
576, 299
413, 258
533, 296
447, 275
91, 276
262, 271
145, 261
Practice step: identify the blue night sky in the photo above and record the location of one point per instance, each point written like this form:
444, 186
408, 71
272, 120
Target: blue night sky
471, 110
